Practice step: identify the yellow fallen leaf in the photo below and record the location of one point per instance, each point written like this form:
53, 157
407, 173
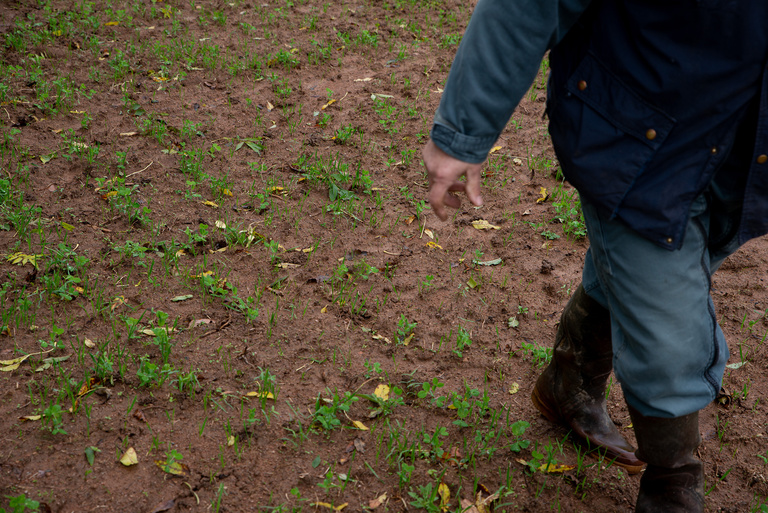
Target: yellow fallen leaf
118, 301
329, 506
366, 79
23, 259
408, 339
277, 191
230, 440
270, 106
429, 233
551, 468
482, 505
382, 392
210, 204
77, 112
514, 388
265, 395
445, 496
324, 309
410, 220
220, 224
226, 192
112, 23
11, 365
433, 245
359, 425
287, 265
376, 336
542, 195
89, 343
30, 418
330, 102
495, 149
128, 134
176, 468
482, 224
129, 457
517, 161
110, 194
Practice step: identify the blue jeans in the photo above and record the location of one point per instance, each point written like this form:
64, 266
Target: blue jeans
669, 351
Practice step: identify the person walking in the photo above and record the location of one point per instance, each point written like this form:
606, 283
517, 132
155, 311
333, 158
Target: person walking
658, 113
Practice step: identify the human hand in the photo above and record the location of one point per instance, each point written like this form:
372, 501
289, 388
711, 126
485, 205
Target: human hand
444, 172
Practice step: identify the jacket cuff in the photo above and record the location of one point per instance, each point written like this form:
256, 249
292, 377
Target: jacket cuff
466, 148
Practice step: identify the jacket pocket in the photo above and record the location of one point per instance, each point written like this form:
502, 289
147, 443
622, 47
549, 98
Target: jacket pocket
604, 133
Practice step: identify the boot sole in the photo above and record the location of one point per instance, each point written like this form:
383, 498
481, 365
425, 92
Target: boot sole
593, 450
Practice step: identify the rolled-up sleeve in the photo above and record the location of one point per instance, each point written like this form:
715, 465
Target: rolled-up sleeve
497, 60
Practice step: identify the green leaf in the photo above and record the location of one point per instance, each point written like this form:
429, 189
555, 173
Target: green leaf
316, 462
488, 262
90, 454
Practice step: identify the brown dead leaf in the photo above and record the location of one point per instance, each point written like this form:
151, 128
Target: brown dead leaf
200, 322
139, 415
378, 501
164, 506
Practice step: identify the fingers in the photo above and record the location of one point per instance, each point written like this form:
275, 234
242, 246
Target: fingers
473, 185
444, 172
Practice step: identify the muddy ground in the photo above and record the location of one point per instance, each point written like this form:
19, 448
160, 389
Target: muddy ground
214, 221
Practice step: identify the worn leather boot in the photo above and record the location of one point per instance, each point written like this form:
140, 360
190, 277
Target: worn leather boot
673, 482
571, 390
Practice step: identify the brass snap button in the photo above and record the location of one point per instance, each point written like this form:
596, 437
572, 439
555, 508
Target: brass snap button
650, 134
582, 85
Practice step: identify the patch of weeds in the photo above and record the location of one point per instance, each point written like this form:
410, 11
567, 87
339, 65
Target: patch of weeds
120, 195
568, 212
462, 342
429, 389
20, 504
344, 133
52, 419
405, 330
448, 40
327, 410
539, 355
385, 406
517, 431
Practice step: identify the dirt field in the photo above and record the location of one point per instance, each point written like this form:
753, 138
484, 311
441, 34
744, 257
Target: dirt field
219, 263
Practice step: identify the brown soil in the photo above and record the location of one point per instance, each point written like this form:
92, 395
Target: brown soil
329, 297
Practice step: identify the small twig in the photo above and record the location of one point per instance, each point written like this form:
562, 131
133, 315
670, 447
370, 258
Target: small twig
141, 171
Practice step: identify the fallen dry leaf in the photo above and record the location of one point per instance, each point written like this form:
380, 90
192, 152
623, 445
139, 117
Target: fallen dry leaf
445, 496
164, 506
482, 224
382, 392
329, 506
175, 467
129, 457
514, 388
359, 425
378, 501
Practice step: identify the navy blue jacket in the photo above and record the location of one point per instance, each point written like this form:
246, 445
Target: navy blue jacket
645, 99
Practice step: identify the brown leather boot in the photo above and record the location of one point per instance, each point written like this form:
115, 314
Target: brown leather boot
673, 482
571, 390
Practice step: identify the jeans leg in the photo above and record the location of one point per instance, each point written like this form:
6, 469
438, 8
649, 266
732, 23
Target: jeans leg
669, 351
